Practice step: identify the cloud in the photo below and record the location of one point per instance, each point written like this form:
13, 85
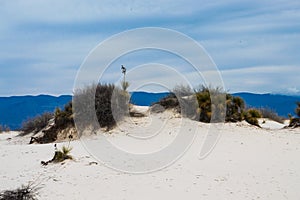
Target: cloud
48, 40
262, 79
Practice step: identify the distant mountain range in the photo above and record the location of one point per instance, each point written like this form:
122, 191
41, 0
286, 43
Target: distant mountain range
282, 104
14, 110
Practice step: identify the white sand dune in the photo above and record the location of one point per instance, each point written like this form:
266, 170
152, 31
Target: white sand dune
247, 163
270, 124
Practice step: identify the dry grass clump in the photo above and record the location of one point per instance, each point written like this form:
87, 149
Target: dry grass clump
111, 104
271, 114
23, 193
36, 124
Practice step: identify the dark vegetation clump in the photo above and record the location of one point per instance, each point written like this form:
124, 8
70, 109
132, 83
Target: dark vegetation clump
297, 110
111, 105
252, 115
271, 114
36, 124
211, 101
235, 107
295, 121
62, 119
181, 99
199, 103
169, 102
23, 193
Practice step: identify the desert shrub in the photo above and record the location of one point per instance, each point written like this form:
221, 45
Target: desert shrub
205, 96
36, 124
196, 104
252, 115
204, 102
23, 193
182, 90
168, 102
63, 118
271, 114
297, 110
111, 105
234, 108
4, 128
182, 100
295, 122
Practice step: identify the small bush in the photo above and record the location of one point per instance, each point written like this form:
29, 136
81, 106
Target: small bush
63, 118
211, 102
23, 193
295, 122
252, 115
234, 108
271, 114
111, 105
61, 155
186, 105
4, 128
36, 124
168, 102
182, 91
297, 111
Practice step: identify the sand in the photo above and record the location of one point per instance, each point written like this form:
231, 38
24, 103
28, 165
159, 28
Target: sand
247, 163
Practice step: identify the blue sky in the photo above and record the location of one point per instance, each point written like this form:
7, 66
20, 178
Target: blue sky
255, 44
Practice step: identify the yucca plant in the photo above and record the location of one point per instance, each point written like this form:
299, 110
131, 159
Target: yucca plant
62, 154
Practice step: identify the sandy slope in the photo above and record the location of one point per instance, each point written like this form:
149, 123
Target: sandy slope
247, 163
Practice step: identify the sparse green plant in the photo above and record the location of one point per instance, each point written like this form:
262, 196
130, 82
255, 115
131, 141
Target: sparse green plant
62, 154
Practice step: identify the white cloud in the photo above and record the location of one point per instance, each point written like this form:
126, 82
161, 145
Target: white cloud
57, 35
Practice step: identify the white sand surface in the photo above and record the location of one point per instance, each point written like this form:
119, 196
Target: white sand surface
247, 163
270, 124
